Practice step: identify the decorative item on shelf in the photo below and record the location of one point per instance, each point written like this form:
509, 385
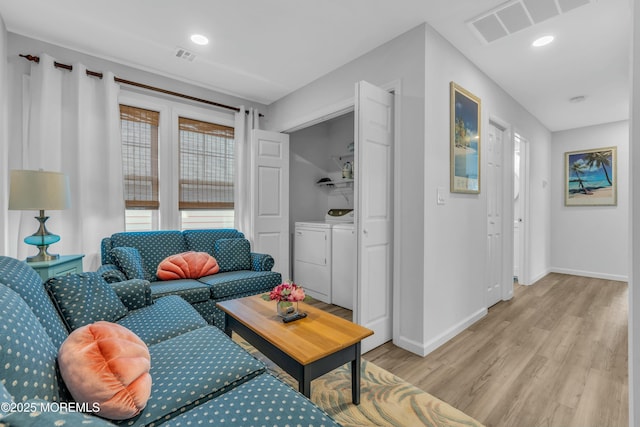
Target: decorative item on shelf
39, 190
325, 181
347, 170
350, 147
287, 295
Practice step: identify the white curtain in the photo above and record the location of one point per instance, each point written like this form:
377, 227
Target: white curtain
74, 127
244, 124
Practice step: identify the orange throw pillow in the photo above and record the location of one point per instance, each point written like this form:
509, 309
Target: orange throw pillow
107, 364
187, 265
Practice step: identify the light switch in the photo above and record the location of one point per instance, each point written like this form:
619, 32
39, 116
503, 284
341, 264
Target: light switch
440, 195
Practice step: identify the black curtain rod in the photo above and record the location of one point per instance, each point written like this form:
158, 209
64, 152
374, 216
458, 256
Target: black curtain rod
36, 59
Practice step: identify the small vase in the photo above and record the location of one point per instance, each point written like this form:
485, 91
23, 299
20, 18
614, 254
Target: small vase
287, 309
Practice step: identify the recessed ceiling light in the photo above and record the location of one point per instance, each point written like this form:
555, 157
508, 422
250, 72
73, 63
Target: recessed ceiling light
199, 39
542, 41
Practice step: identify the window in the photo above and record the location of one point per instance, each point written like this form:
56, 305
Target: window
206, 188
178, 165
139, 132
206, 165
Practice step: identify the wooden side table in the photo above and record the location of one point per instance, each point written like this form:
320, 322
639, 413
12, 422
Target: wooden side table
66, 264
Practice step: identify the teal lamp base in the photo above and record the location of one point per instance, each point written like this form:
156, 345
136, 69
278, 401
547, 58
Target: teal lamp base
42, 239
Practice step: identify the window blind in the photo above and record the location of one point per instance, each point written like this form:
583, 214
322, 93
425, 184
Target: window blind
139, 132
206, 165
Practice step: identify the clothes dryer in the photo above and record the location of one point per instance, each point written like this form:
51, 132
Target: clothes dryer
312, 259
343, 268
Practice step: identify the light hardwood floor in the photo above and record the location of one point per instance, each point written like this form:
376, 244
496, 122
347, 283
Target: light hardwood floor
555, 355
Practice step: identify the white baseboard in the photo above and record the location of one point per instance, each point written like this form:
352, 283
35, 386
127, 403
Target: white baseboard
596, 275
539, 276
426, 348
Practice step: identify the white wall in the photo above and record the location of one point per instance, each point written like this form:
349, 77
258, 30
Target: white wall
401, 58
4, 150
308, 159
634, 226
442, 262
590, 240
455, 233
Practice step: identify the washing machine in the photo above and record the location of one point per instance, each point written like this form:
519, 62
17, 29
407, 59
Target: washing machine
343, 268
312, 258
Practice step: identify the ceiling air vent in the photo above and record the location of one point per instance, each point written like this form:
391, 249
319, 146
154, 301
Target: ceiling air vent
185, 54
516, 15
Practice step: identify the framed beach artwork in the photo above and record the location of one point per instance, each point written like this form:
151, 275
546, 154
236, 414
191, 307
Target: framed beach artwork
591, 177
464, 141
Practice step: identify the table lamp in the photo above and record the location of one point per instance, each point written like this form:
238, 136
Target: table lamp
39, 190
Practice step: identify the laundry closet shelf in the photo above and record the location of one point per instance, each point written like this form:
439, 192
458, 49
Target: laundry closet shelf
343, 183
339, 158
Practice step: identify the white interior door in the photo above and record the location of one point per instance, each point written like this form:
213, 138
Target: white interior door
494, 187
517, 218
522, 217
374, 184
270, 197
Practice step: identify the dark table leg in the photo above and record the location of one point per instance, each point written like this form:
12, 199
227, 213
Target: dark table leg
227, 325
304, 383
355, 377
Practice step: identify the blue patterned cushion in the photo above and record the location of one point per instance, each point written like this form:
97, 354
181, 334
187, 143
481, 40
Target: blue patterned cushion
27, 355
166, 318
264, 401
134, 293
41, 414
154, 246
192, 368
111, 273
85, 298
240, 282
204, 240
232, 254
23, 279
261, 262
189, 289
206, 310
129, 261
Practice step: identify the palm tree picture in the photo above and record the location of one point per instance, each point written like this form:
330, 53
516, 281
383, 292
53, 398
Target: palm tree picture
600, 159
591, 177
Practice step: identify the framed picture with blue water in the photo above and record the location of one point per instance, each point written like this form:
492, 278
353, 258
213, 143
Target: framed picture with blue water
464, 140
591, 177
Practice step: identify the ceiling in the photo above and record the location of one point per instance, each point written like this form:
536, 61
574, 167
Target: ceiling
262, 50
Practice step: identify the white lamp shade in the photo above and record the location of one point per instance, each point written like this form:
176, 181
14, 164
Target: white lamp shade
39, 190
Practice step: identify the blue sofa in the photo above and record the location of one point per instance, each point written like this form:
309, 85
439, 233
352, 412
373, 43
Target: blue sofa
199, 375
242, 273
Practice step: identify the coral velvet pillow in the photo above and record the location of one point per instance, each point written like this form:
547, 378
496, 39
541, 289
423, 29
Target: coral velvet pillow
107, 364
187, 265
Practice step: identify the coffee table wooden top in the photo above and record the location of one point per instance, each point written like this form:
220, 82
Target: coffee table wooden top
306, 340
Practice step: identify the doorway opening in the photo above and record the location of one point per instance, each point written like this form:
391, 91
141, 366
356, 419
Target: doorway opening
321, 212
520, 210
375, 119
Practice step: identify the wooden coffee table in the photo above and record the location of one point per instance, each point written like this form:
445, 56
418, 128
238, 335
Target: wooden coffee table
305, 348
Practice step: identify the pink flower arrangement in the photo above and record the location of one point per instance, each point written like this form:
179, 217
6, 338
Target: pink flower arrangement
287, 292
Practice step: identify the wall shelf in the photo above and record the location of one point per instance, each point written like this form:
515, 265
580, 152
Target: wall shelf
339, 184
340, 158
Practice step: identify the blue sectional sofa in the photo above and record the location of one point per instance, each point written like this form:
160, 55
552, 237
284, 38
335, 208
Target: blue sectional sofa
199, 375
242, 273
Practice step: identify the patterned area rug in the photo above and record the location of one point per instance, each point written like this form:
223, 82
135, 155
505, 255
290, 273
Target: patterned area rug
385, 399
